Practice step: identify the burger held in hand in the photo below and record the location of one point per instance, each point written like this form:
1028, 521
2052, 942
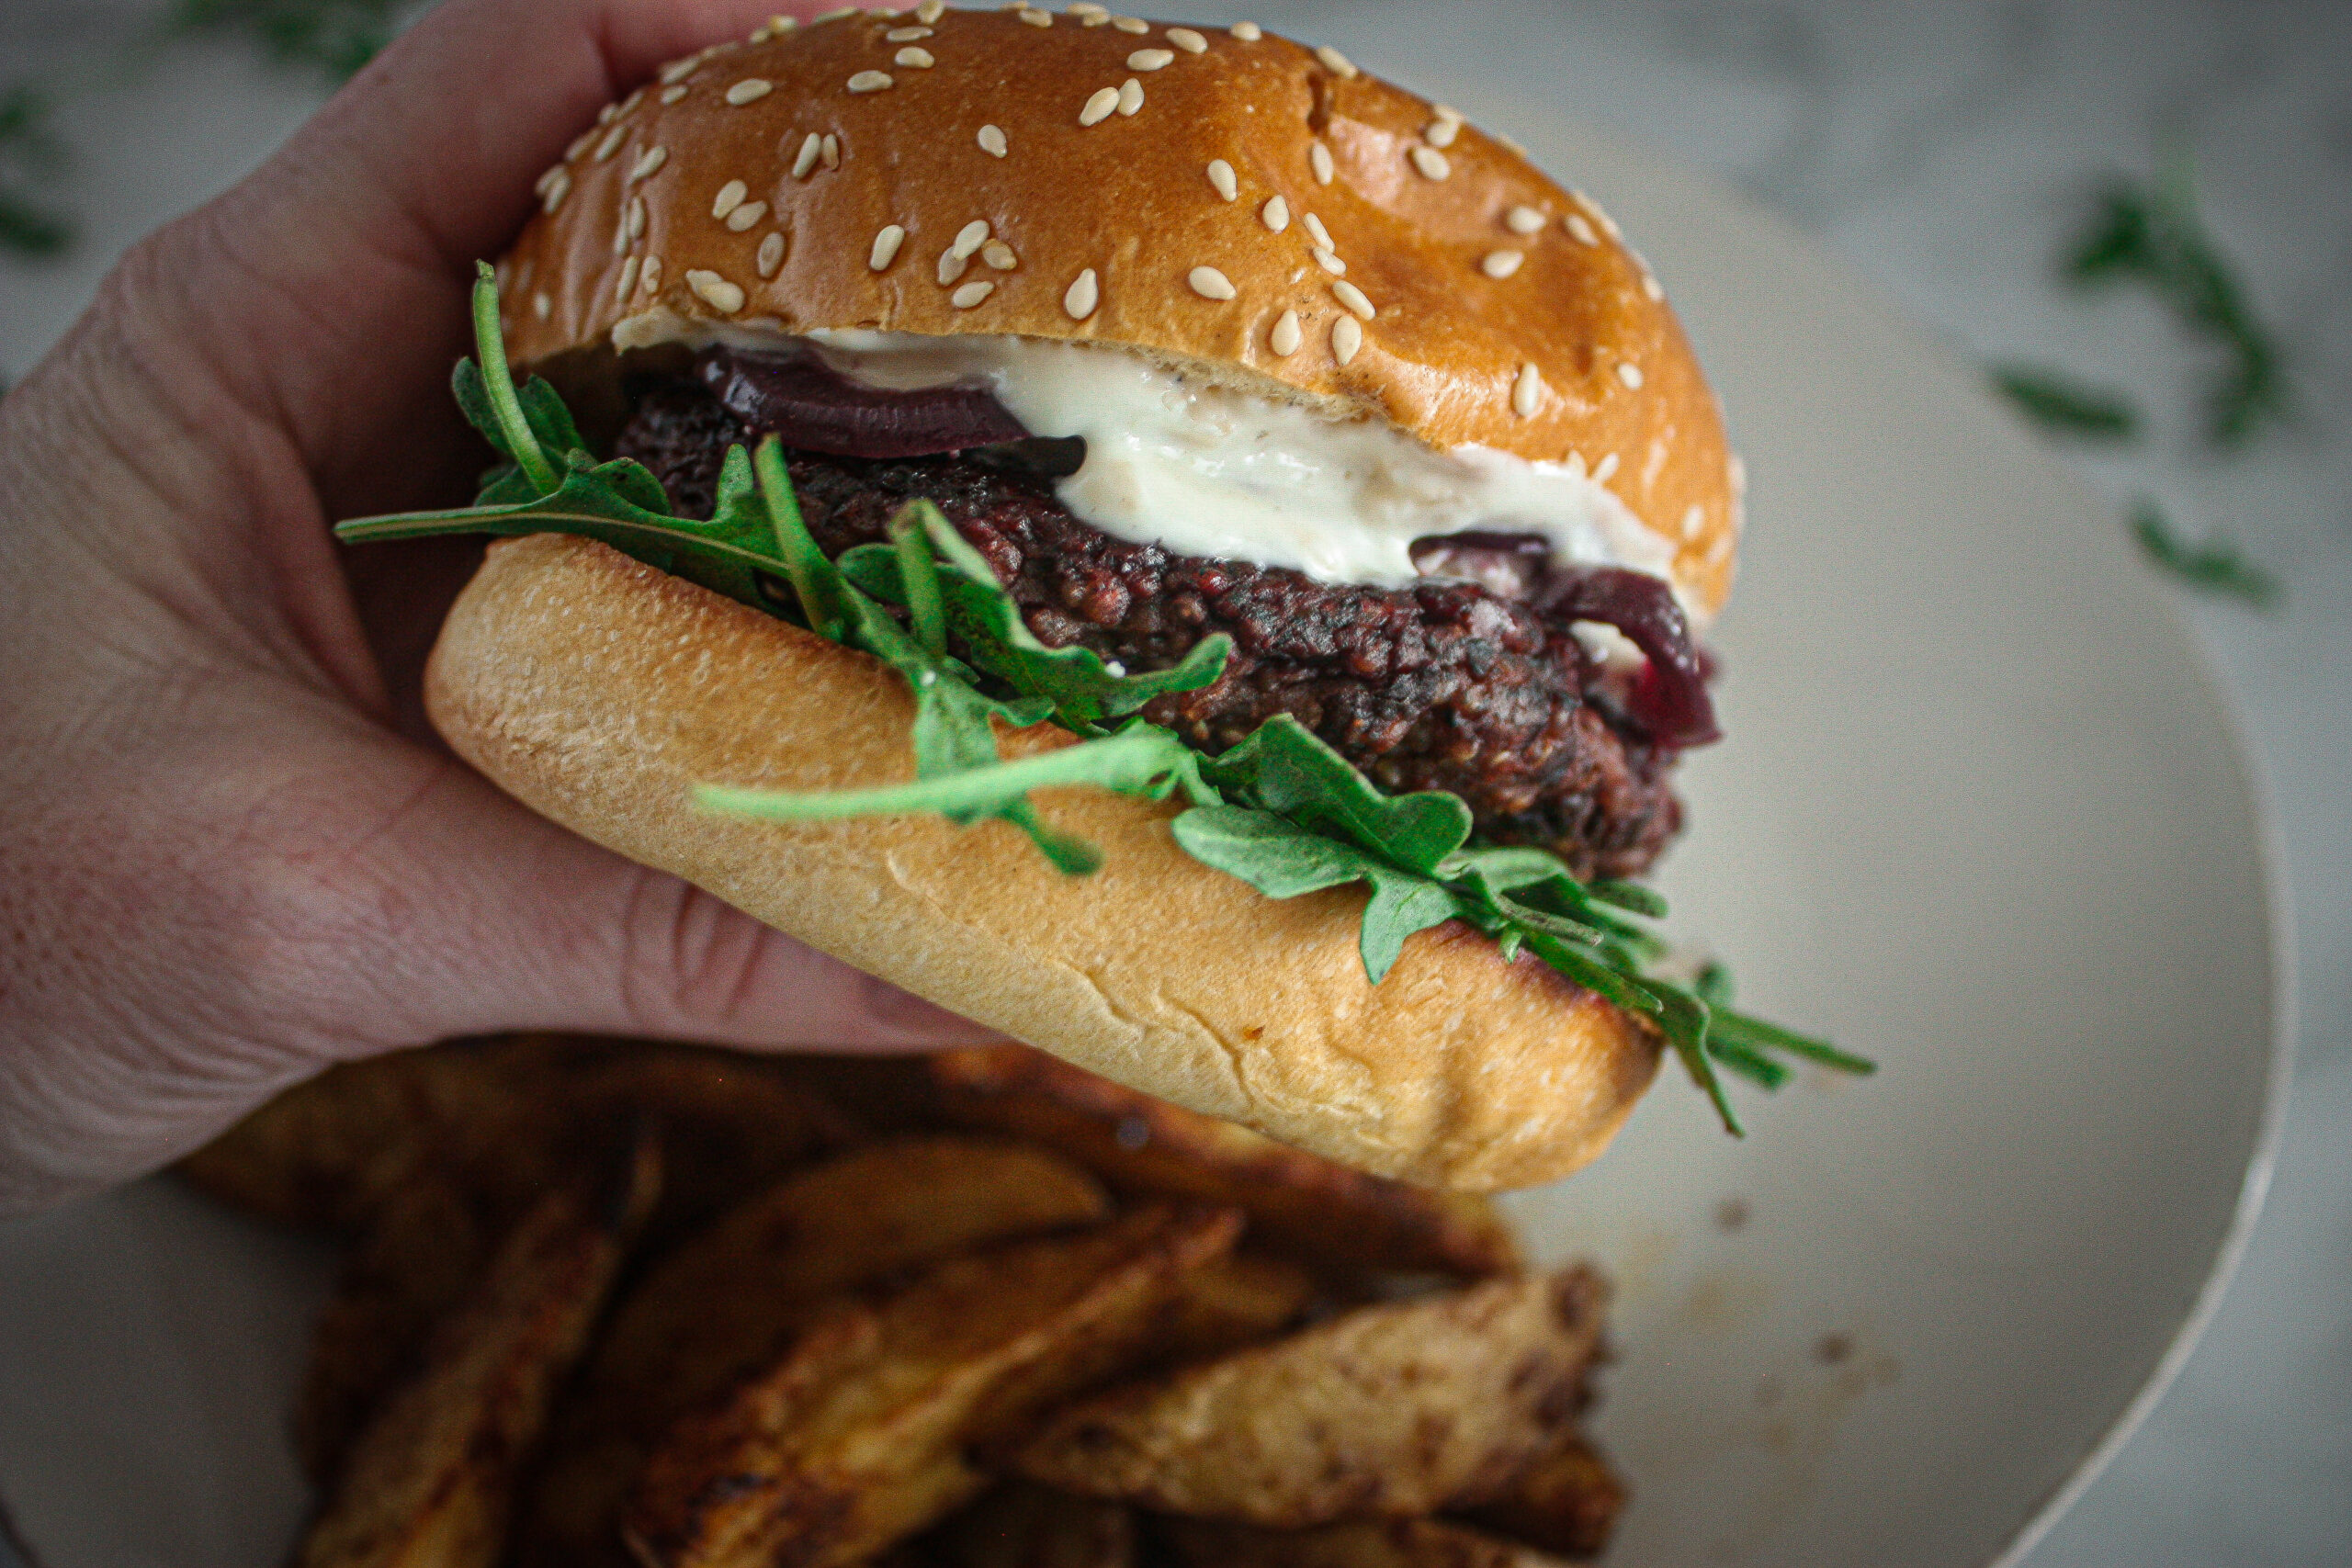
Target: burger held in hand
1147, 537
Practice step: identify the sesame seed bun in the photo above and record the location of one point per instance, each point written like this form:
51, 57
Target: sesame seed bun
815, 177
599, 691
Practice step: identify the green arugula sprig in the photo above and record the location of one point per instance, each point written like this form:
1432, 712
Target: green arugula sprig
2154, 235
332, 37
2215, 565
29, 155
1280, 811
2067, 407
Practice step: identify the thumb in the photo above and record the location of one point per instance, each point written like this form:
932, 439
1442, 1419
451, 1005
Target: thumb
464, 913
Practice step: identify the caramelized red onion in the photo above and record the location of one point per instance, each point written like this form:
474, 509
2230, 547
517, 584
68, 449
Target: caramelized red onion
1668, 700
816, 410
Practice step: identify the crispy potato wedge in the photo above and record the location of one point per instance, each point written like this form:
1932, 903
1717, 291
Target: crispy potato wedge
730, 1301
1236, 1300
856, 1438
1303, 1202
430, 1482
1567, 1500
1363, 1543
1394, 1410
1020, 1526
509, 1116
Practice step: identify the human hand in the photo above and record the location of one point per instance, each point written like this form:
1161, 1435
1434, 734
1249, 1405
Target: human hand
228, 855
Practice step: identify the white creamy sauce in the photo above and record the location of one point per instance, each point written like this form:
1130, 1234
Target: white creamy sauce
1211, 471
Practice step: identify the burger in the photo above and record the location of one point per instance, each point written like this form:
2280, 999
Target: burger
1147, 537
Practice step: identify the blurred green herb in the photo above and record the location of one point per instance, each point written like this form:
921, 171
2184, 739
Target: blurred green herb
333, 37
2213, 566
2153, 235
29, 153
2068, 406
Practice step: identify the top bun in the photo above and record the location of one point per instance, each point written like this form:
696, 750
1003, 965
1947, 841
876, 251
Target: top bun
815, 176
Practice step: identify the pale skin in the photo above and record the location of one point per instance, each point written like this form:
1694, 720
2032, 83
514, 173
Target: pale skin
231, 854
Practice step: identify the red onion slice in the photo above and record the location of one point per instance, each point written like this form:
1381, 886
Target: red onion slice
1668, 700
814, 410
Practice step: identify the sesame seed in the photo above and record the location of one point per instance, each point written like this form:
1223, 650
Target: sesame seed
730, 196
558, 185
1736, 466
1575, 224
1221, 176
1130, 96
992, 142
771, 255
580, 144
1527, 392
1248, 32
1631, 374
542, 307
744, 216
1275, 214
1431, 161
611, 143
716, 291
784, 24
1188, 40
1347, 337
1209, 283
1523, 220
1150, 59
636, 217
1608, 224
1315, 227
1604, 468
869, 82
679, 70
1036, 18
627, 284
915, 59
649, 276
1693, 520
648, 164
811, 146
835, 16
1318, 157
971, 294
1099, 106
1285, 336
1083, 294
1440, 132
999, 255
1501, 263
609, 113
1329, 261
1335, 62
1348, 293
970, 238
1501, 139
674, 94
1131, 24
1652, 286
886, 241
1095, 19
1088, 9
930, 10
620, 235
750, 90
830, 148
906, 35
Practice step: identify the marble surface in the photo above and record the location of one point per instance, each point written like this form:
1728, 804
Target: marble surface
1947, 151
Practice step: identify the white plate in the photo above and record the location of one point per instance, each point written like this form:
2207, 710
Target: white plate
1980, 816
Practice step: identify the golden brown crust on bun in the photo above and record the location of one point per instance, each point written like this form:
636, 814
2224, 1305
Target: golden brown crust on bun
598, 692
761, 183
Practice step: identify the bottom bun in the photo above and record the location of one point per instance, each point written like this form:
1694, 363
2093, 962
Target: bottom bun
598, 692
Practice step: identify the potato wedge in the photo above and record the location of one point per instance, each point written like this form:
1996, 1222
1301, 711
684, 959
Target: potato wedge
857, 1440
1140, 1144
1236, 1300
1020, 1526
1567, 1500
731, 1299
1363, 1543
431, 1479
1393, 1410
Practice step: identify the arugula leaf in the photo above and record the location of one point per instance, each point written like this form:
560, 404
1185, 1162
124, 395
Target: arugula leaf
1287, 769
29, 155
2214, 567
2067, 407
1084, 691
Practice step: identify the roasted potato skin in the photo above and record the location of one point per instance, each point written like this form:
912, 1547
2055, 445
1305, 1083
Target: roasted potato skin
431, 1478
1017, 1525
1567, 1501
858, 1438
1301, 1202
1398, 1409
